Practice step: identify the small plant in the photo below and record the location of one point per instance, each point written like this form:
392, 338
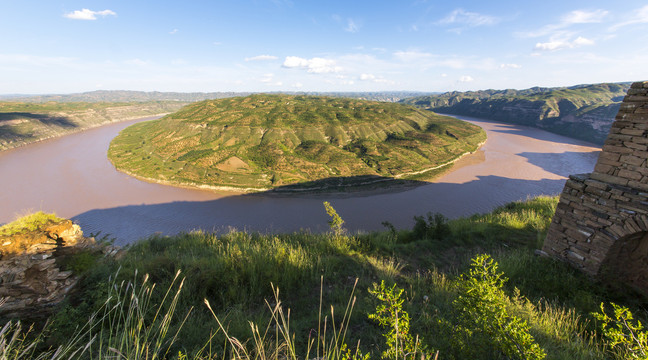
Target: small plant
390, 314
626, 338
391, 228
482, 307
434, 227
336, 221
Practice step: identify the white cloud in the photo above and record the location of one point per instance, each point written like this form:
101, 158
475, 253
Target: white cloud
412, 55
470, 19
267, 78
351, 27
640, 16
580, 41
314, 65
374, 78
297, 85
510, 66
173, 31
261, 58
556, 44
552, 45
567, 20
583, 17
466, 78
87, 14
136, 62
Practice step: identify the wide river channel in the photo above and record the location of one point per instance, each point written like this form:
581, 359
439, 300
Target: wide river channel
72, 177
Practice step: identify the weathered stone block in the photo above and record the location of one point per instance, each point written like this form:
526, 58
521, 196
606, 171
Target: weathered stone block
630, 175
617, 149
632, 160
610, 179
632, 131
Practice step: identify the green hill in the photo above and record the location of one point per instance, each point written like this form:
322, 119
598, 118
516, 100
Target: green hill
22, 123
584, 112
265, 141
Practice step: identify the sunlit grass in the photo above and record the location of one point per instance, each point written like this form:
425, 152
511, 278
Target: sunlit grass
28, 222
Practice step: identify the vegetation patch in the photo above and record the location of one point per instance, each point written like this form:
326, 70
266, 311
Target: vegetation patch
28, 223
284, 140
471, 290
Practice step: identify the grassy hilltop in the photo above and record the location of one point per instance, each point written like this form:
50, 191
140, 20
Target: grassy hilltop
22, 123
266, 141
583, 112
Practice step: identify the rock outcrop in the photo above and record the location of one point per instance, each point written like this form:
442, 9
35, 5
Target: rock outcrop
32, 280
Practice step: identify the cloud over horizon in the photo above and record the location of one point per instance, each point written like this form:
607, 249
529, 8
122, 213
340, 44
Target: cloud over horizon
87, 14
314, 65
468, 18
563, 44
261, 58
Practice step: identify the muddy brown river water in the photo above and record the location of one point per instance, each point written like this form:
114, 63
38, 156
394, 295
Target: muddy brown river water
72, 177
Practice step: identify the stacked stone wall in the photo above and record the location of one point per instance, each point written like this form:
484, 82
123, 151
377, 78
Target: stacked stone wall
601, 216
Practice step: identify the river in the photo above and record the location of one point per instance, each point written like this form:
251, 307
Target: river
72, 177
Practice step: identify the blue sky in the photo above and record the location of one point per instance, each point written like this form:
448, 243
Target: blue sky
50, 46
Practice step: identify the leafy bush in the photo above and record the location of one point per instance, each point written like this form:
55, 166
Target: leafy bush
390, 315
434, 227
626, 338
483, 316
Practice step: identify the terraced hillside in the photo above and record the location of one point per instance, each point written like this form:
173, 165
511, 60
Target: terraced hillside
22, 123
583, 112
267, 141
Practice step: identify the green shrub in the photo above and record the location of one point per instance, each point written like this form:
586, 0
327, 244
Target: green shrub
336, 221
390, 315
483, 316
627, 339
434, 227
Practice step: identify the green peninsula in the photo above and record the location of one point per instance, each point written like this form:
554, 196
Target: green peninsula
266, 141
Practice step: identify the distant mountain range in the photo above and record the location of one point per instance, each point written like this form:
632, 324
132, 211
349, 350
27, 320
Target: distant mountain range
143, 96
583, 112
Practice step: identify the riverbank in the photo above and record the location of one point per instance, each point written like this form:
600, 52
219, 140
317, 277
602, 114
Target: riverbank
26, 123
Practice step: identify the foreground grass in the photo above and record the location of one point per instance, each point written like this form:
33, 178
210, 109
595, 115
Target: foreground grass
235, 273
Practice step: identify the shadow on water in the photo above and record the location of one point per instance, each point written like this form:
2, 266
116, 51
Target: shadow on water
545, 135
561, 163
362, 211
341, 186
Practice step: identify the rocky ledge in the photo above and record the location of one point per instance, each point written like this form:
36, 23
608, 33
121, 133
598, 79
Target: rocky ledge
32, 277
